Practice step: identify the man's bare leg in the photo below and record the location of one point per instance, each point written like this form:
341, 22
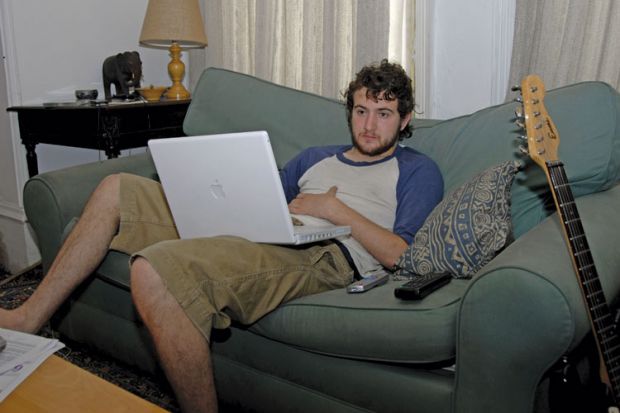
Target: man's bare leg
183, 351
79, 256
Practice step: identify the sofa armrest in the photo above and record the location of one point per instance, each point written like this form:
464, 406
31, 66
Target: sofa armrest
525, 310
53, 199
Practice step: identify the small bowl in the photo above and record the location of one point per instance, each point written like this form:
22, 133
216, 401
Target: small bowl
86, 94
152, 93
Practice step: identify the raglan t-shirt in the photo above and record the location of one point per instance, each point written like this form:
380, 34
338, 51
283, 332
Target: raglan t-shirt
397, 192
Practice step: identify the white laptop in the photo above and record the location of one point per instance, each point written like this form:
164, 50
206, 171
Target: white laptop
229, 184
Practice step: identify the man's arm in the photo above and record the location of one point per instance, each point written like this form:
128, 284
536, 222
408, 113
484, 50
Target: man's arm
383, 244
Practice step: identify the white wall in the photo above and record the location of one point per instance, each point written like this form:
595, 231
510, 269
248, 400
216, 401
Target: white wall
465, 55
59, 46
50, 49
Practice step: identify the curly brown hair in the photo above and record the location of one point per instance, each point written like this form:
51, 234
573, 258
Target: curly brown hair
389, 79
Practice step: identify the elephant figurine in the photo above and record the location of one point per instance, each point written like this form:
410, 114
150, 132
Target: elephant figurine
124, 71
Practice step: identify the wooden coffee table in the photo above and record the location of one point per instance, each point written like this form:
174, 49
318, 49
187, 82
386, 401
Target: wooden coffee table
59, 386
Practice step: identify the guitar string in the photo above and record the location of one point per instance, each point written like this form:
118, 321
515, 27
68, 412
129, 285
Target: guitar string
570, 217
581, 253
584, 261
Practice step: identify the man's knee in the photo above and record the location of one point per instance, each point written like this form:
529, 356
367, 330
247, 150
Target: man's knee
141, 272
144, 281
106, 196
110, 184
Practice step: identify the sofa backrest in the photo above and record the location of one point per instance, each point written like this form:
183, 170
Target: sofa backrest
226, 101
586, 116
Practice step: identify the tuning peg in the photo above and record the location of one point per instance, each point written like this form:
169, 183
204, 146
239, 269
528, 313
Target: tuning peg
533, 89
519, 99
522, 138
516, 88
520, 124
519, 113
523, 150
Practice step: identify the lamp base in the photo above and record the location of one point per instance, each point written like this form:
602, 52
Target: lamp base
176, 92
176, 70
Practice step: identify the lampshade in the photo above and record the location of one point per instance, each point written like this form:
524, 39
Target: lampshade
170, 21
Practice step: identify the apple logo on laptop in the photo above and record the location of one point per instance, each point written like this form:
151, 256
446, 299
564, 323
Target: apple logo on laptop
217, 190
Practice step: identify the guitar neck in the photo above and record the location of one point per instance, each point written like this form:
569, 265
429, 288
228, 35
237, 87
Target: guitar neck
598, 311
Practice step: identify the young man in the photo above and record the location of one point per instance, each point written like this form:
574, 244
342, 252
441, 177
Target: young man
184, 288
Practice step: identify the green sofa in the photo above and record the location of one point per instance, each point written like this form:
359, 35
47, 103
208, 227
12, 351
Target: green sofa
476, 345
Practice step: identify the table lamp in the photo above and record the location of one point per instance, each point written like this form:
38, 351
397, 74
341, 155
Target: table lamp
176, 25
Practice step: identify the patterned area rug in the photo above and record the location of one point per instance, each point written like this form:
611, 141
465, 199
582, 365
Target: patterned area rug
14, 291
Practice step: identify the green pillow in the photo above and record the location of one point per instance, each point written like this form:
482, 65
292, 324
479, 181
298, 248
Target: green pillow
466, 229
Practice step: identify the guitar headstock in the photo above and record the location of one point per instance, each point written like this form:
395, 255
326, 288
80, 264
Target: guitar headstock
540, 131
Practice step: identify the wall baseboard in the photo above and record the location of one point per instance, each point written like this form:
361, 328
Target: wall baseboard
18, 249
12, 211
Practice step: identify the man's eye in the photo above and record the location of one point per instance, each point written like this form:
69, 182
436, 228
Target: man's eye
360, 111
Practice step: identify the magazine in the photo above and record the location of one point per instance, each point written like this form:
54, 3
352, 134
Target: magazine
21, 355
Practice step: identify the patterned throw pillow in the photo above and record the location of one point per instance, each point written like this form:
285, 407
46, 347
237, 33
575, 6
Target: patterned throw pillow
466, 229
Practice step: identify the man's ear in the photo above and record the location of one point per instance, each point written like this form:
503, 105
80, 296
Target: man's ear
405, 121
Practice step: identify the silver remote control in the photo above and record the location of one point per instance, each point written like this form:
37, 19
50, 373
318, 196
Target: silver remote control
367, 283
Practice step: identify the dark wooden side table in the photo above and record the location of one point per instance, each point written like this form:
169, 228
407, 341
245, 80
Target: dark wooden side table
110, 127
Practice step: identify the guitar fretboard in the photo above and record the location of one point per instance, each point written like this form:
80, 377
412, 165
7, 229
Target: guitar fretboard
598, 310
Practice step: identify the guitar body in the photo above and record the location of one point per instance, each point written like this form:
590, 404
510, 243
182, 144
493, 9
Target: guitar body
543, 141
574, 385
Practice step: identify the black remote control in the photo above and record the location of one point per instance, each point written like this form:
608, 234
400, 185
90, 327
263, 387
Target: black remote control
421, 286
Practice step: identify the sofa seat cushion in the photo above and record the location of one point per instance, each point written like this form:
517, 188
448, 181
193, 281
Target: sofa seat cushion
374, 325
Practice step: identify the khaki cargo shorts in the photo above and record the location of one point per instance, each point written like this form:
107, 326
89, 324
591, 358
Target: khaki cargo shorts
221, 278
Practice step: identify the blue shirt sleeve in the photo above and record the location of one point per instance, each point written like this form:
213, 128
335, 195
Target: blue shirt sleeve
418, 190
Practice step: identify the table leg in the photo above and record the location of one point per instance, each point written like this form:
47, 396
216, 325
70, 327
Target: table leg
110, 133
31, 159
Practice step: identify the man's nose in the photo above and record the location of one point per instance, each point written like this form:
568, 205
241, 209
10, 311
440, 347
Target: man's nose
370, 122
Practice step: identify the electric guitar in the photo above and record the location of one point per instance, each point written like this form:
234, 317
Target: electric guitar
542, 144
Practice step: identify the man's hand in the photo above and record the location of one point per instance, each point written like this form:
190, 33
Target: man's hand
316, 205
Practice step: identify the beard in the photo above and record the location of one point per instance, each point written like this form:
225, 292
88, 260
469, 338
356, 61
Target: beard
380, 150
